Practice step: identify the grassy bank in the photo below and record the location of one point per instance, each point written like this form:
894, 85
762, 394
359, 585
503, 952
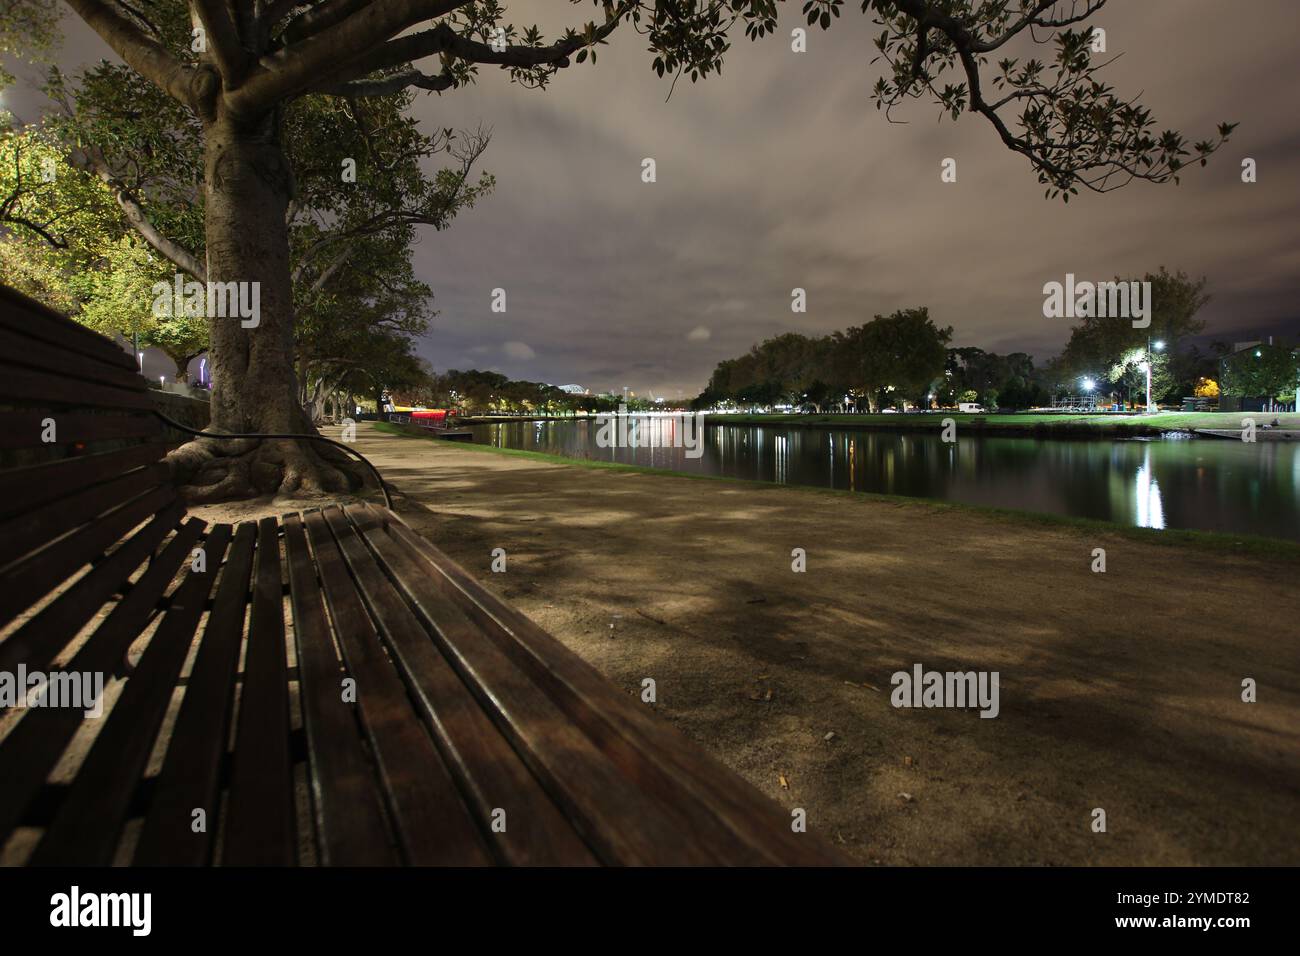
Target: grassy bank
1225, 544
1042, 425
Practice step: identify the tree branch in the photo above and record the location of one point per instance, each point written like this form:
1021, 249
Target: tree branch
222, 40
142, 54
318, 18
392, 83
92, 159
292, 70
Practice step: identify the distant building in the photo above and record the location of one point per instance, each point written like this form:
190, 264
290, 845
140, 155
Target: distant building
574, 389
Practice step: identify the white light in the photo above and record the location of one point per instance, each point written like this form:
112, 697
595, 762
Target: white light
1159, 346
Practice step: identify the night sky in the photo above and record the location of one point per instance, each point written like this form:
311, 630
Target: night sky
781, 173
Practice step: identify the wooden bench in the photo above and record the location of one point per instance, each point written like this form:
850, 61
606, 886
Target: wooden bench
327, 687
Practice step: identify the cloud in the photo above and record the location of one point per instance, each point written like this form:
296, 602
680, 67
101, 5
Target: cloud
780, 173
699, 334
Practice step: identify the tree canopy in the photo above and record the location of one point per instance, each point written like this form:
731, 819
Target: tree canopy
892, 358
1108, 349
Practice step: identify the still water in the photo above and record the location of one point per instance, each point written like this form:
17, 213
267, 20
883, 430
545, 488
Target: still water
1201, 483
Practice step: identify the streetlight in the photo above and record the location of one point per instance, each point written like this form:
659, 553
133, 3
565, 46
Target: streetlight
1088, 386
1159, 347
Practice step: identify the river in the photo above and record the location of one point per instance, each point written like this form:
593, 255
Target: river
1173, 482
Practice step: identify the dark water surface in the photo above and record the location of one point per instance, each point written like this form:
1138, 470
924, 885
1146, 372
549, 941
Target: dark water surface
1198, 483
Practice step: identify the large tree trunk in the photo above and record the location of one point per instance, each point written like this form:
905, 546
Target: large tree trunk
248, 186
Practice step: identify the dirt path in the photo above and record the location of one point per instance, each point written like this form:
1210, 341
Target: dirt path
1119, 691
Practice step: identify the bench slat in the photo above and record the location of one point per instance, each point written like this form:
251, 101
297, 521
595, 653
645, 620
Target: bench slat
23, 429
260, 823
191, 772
25, 583
26, 316
22, 350
29, 385
347, 809
432, 823
39, 641
661, 759
89, 823
35, 526
34, 745
489, 771
24, 488
594, 792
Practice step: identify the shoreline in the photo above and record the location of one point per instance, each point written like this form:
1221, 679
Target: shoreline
1065, 426
1218, 542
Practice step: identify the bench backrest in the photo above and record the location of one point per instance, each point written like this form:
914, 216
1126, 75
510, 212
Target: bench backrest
80, 451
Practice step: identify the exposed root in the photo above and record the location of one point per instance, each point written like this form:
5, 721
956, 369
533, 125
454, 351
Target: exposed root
210, 470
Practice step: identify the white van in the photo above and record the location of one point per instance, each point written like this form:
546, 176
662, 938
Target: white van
969, 408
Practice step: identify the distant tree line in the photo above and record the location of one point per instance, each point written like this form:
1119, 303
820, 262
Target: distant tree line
477, 392
891, 359
904, 359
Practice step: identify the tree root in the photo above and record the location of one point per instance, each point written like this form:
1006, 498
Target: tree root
210, 470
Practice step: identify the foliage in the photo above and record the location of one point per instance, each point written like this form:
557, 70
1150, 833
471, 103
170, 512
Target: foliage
64, 242
478, 392
29, 31
1110, 349
889, 359
1271, 371
360, 309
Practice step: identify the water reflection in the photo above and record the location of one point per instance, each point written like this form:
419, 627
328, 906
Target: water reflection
1208, 484
1150, 514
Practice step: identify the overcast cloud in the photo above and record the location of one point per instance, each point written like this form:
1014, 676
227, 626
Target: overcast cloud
781, 173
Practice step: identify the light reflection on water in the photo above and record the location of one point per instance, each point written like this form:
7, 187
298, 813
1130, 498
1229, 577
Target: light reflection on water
1204, 483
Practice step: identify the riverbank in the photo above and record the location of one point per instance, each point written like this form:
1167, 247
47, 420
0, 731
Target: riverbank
1039, 425
1118, 690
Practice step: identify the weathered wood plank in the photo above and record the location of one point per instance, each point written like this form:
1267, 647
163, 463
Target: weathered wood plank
88, 825
39, 640
26, 428
347, 810
22, 489
33, 747
488, 770
597, 793
260, 828
29, 318
35, 526
26, 582
190, 776
432, 822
